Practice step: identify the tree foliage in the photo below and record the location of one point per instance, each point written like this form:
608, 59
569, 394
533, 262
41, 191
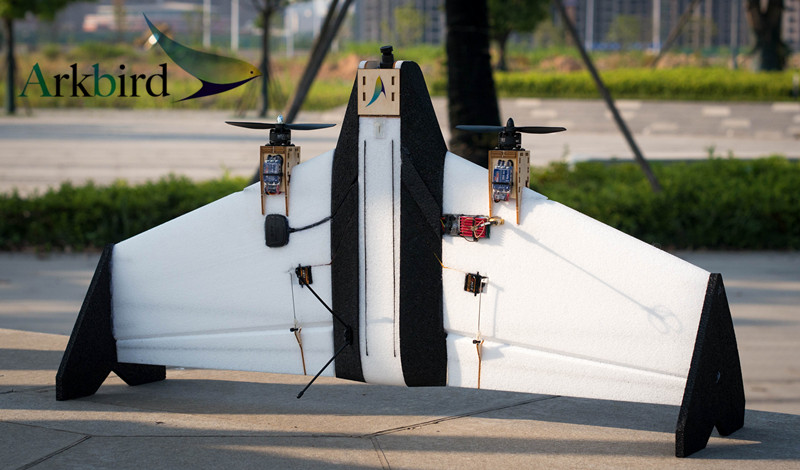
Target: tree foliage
507, 16
11, 10
625, 30
46, 9
409, 25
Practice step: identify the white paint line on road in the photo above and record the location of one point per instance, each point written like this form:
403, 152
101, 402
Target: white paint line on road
527, 102
663, 126
769, 135
544, 113
716, 111
786, 107
629, 104
736, 123
627, 115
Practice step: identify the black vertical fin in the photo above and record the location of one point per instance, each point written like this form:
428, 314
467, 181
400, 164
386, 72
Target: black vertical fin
423, 351
714, 394
91, 353
344, 243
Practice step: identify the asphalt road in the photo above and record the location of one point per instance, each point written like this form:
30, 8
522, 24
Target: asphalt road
50, 146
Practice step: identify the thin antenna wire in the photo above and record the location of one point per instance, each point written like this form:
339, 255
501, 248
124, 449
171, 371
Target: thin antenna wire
294, 312
348, 331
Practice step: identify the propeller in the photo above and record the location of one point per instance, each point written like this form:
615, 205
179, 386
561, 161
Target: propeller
508, 136
280, 133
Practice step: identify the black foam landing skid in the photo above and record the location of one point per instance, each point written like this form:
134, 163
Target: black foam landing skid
91, 353
714, 394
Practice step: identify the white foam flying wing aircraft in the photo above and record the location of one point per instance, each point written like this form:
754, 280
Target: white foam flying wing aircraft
402, 263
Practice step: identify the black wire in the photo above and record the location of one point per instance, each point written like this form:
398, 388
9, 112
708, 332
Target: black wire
292, 230
304, 283
299, 395
348, 331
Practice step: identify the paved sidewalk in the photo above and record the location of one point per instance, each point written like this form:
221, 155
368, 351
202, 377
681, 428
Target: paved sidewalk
210, 419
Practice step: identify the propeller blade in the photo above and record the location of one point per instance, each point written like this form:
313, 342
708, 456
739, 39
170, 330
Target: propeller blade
481, 128
539, 129
252, 125
307, 127
526, 129
271, 125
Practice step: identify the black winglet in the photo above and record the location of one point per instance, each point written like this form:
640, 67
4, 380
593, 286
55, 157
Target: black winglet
91, 353
714, 394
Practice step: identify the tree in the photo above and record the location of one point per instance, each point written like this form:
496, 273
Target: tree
625, 30
119, 19
266, 8
506, 16
547, 34
11, 10
766, 24
698, 32
471, 94
408, 27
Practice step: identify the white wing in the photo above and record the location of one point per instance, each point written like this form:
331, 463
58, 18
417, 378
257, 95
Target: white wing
204, 290
572, 306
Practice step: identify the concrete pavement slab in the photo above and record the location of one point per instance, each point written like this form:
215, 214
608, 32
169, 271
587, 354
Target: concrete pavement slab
43, 293
207, 419
574, 433
23, 444
293, 452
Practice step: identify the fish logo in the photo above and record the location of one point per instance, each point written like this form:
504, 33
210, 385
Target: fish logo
217, 73
379, 88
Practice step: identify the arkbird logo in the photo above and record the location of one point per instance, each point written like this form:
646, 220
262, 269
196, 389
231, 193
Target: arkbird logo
379, 88
215, 72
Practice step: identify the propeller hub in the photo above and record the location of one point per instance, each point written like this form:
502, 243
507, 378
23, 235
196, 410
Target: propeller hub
508, 139
280, 135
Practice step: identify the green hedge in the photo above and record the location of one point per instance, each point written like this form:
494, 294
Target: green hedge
91, 216
714, 84
714, 204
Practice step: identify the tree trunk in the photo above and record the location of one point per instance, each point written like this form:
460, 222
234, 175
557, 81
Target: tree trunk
766, 26
502, 41
10, 66
470, 89
266, 14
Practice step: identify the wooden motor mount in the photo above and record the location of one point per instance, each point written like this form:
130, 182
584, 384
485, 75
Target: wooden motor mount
520, 177
291, 157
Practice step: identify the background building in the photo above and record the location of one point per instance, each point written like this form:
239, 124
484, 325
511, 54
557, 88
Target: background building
645, 23
375, 19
